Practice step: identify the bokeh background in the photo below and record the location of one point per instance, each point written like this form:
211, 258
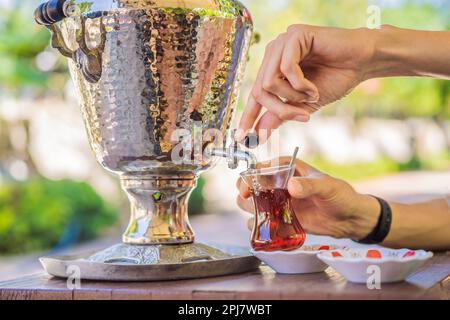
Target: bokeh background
390, 136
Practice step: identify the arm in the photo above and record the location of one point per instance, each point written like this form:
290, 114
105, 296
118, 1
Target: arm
309, 67
402, 52
420, 225
328, 206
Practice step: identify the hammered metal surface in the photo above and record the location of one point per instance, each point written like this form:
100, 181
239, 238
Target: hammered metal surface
144, 70
165, 65
226, 260
157, 254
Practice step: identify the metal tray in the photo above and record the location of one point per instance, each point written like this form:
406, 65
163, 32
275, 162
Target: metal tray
234, 260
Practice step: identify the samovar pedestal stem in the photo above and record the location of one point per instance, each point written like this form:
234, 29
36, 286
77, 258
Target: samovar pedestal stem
158, 209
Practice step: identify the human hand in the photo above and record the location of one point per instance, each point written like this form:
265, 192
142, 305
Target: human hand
303, 70
324, 205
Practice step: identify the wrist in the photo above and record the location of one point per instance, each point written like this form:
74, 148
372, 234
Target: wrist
365, 216
390, 50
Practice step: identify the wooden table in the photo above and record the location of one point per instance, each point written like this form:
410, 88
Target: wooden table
430, 282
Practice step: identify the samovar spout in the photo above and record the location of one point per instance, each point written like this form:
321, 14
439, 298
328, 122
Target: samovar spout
234, 155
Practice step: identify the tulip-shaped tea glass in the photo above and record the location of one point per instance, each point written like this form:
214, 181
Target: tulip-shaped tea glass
276, 226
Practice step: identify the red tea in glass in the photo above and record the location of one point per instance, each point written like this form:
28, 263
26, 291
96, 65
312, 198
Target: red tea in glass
276, 226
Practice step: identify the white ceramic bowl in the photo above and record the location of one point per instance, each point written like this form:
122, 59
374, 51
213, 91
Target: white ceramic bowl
357, 265
302, 260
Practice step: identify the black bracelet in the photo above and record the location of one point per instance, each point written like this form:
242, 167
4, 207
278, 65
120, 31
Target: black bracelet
381, 230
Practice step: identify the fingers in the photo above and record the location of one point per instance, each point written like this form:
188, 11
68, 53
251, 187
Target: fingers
319, 185
297, 47
251, 113
283, 89
307, 182
250, 223
245, 204
253, 108
274, 81
266, 125
305, 170
269, 121
282, 110
244, 191
281, 86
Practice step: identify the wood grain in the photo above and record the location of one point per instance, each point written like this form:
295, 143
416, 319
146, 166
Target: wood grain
430, 282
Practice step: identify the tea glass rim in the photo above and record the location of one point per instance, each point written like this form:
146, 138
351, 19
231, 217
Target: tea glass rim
266, 171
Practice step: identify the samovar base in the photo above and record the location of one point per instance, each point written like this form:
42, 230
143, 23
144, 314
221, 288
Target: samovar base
126, 262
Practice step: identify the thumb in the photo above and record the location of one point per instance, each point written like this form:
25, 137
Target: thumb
304, 187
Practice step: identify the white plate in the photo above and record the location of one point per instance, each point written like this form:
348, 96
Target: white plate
302, 260
393, 266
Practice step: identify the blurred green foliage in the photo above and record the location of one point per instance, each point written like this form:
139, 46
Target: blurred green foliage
38, 214
383, 166
197, 200
356, 171
20, 42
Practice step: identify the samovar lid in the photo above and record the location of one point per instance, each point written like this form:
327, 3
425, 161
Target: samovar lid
53, 11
